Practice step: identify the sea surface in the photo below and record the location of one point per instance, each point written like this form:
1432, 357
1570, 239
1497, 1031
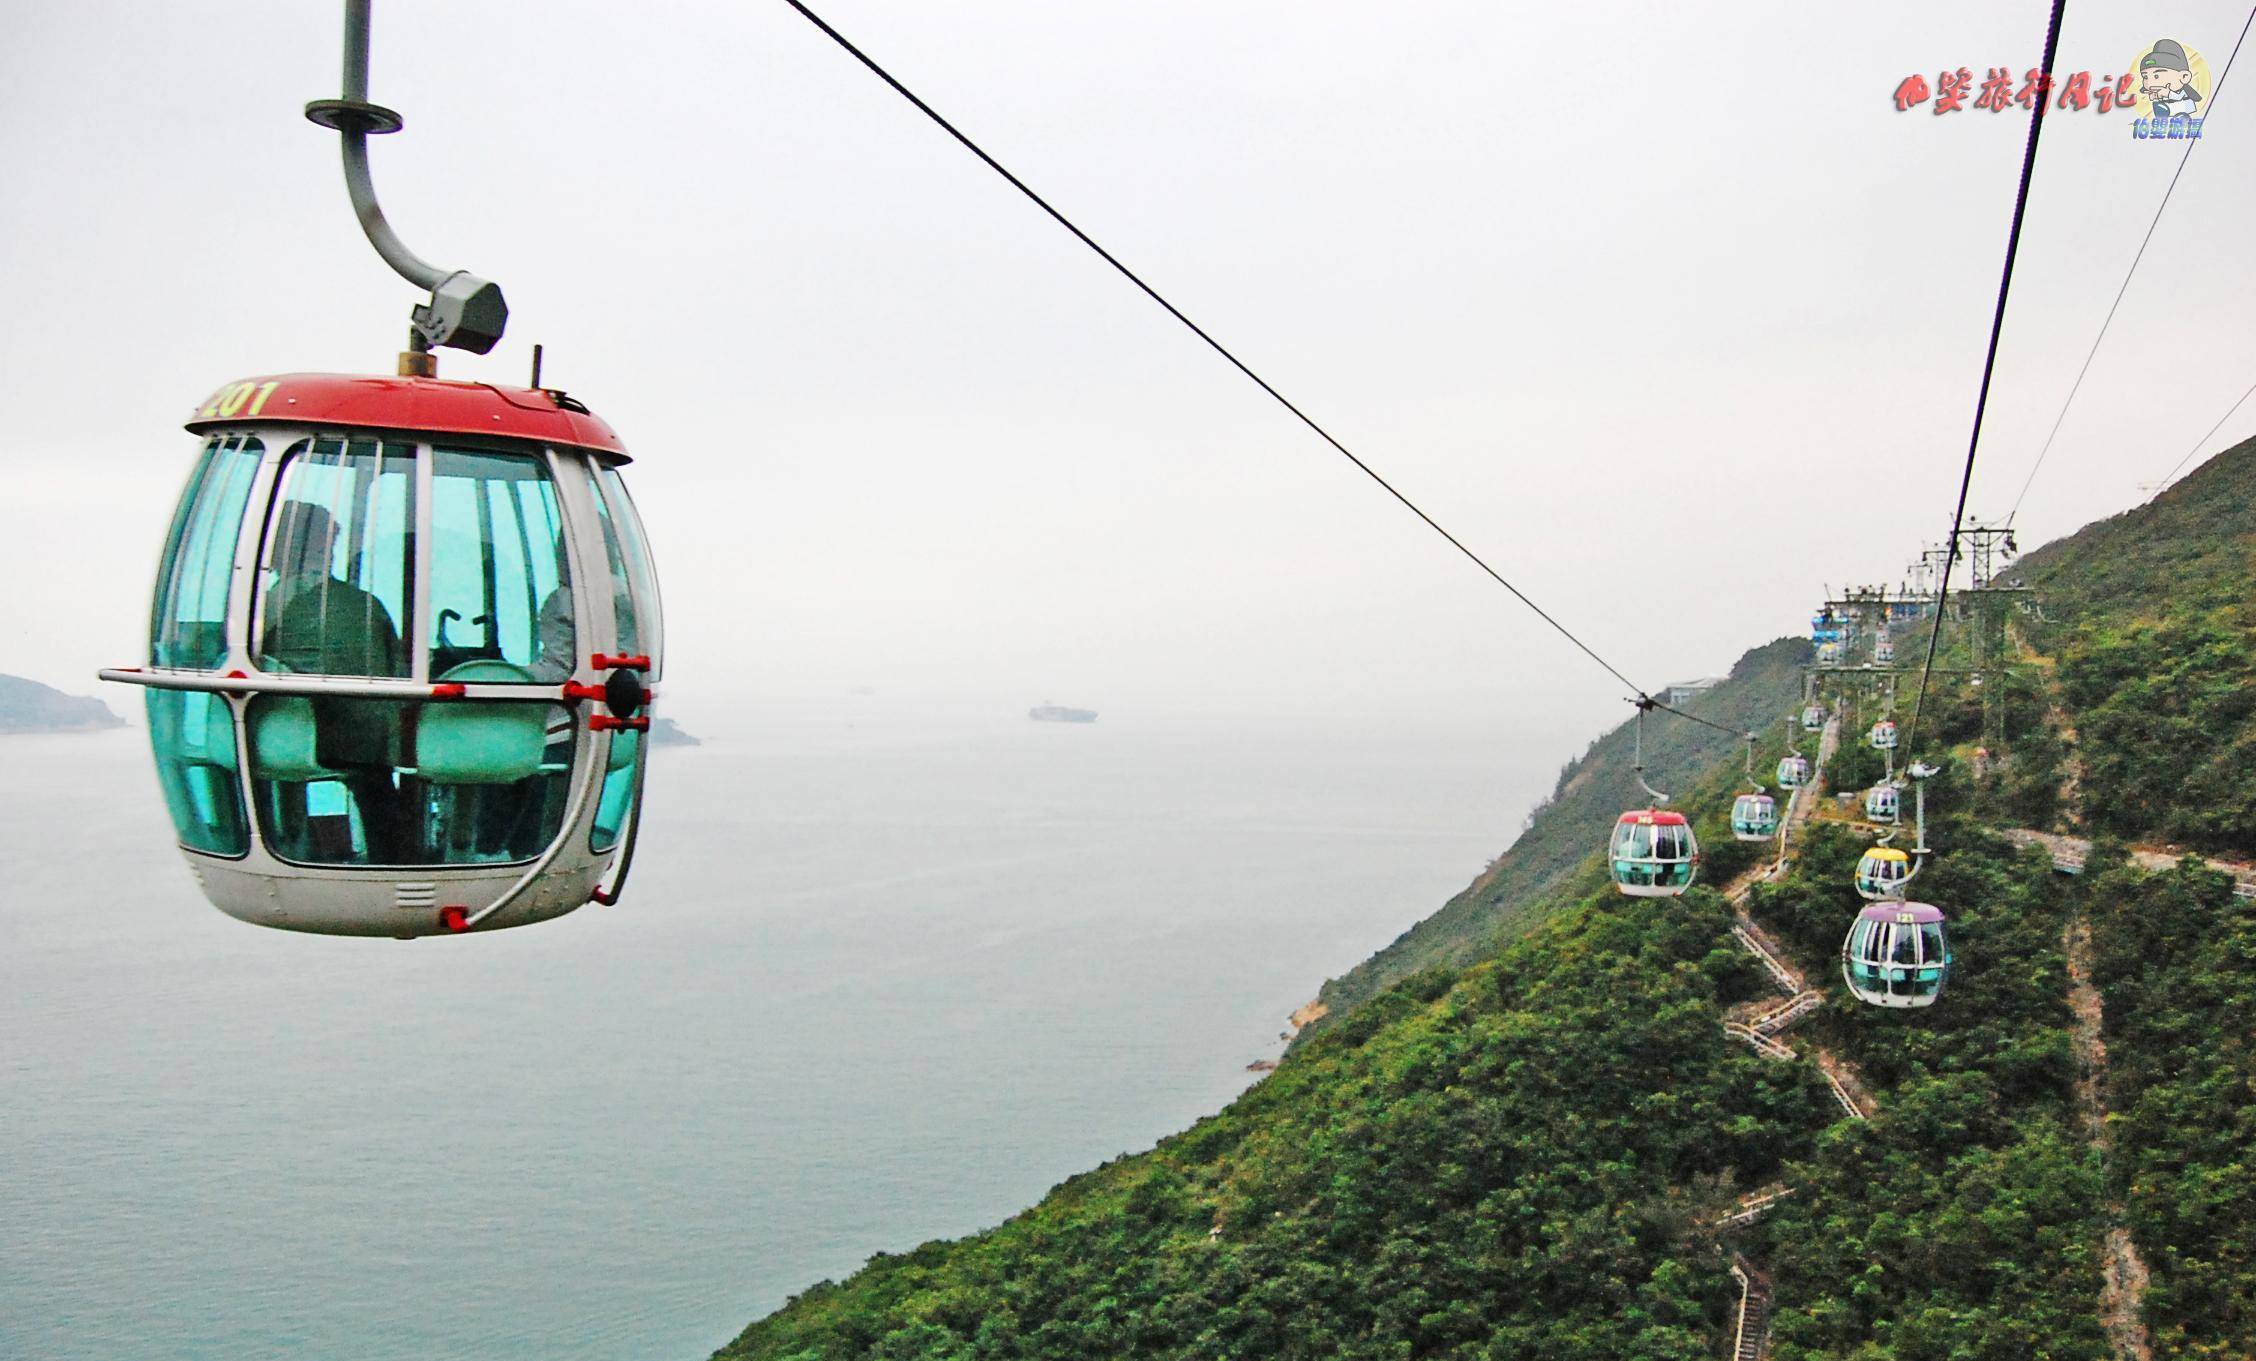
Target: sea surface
886, 972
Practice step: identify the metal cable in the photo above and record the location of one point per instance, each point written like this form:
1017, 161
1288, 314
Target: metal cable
2164, 485
1107, 256
1695, 718
2214, 92
1989, 361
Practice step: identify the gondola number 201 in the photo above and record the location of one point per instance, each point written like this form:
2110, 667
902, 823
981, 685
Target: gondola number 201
237, 399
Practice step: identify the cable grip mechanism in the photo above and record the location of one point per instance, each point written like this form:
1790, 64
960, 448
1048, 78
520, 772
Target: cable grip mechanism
464, 312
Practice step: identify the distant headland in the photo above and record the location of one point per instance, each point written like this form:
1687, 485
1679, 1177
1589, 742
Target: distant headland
26, 706
664, 732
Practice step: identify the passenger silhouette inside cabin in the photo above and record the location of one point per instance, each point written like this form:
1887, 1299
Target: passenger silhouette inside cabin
316, 621
319, 623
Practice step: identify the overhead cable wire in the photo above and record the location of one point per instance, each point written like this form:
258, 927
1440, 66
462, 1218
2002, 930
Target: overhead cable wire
1240, 365
2208, 112
1989, 360
1694, 718
2164, 485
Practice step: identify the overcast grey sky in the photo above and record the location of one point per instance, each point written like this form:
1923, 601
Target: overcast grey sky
1663, 308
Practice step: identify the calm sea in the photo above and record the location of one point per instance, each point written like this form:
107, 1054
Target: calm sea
885, 973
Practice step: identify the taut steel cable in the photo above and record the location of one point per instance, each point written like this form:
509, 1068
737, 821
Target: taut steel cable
1989, 360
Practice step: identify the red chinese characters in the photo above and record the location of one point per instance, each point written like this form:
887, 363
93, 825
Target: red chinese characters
1951, 90
1954, 90
1997, 91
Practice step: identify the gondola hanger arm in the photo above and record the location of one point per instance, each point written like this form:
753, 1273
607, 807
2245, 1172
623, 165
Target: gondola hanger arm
465, 312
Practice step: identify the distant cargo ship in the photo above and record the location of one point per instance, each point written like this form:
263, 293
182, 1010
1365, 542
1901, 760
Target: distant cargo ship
1058, 713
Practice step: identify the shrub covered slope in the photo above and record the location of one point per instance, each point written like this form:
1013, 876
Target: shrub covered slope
1514, 1134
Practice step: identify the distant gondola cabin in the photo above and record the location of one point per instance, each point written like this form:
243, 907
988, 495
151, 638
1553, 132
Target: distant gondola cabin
1881, 803
1883, 872
1754, 817
1653, 853
1896, 955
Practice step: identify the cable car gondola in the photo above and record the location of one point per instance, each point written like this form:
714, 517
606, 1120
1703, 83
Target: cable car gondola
1813, 718
1883, 649
1881, 803
1883, 735
1828, 653
1793, 772
1754, 817
1896, 955
1883, 872
1653, 854
399, 652
403, 630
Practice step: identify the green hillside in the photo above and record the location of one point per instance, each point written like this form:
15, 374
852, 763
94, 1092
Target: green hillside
2149, 615
1523, 1130
1564, 834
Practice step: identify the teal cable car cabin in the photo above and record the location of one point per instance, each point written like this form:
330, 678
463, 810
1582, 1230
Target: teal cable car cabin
1897, 954
400, 655
1754, 817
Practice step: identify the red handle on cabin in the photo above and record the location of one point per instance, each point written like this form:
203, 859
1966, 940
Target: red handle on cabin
606, 723
604, 661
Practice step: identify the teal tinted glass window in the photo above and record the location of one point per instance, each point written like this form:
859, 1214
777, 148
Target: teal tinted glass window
501, 586
1864, 951
1903, 945
337, 586
188, 628
634, 581
346, 780
193, 733
616, 799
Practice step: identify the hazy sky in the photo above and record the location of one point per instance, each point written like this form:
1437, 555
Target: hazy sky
1664, 308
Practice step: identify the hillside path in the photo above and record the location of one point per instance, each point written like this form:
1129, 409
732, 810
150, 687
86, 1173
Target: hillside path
2123, 1274
2070, 852
1750, 1339
1762, 1035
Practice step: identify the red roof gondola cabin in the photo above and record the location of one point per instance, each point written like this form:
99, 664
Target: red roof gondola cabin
1652, 853
399, 656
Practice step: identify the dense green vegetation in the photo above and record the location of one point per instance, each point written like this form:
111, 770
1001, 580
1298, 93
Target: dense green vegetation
2150, 615
1508, 1139
2166, 722
1960, 1222
2175, 956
